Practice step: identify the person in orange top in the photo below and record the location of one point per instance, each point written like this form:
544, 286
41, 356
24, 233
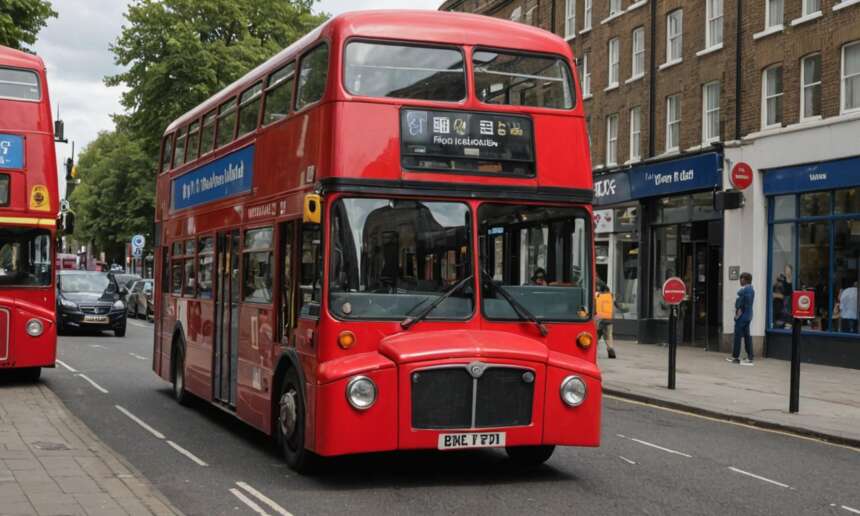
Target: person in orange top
604, 303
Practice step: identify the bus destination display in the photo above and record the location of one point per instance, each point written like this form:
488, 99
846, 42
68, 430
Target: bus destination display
466, 141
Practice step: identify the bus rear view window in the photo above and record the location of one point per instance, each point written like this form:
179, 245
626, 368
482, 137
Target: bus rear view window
522, 80
19, 84
405, 72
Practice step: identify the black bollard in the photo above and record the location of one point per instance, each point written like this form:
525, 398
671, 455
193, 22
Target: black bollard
794, 391
673, 346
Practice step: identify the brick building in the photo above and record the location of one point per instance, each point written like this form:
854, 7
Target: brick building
679, 91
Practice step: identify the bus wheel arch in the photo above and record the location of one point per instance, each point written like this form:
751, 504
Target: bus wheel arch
289, 414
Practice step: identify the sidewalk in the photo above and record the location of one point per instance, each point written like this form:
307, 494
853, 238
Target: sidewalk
758, 395
50, 462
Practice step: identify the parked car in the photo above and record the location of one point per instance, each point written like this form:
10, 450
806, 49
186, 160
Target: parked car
89, 299
139, 299
125, 280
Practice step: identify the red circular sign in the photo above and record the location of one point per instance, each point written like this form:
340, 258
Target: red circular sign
674, 291
742, 176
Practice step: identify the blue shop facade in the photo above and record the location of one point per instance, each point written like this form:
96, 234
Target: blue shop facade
655, 220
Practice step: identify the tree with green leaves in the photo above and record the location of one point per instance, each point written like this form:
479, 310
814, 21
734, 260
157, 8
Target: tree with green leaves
177, 53
115, 197
21, 21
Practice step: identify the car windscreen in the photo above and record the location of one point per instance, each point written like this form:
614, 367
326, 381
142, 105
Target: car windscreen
404, 71
25, 257
86, 282
538, 255
391, 258
522, 79
19, 84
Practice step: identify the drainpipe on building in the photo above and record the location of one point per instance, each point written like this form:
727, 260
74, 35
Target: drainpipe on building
738, 44
552, 17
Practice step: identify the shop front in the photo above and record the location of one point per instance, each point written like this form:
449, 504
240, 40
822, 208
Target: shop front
813, 214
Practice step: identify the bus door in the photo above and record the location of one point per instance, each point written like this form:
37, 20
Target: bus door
310, 288
226, 317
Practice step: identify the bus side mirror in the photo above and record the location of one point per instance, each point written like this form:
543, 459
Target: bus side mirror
313, 209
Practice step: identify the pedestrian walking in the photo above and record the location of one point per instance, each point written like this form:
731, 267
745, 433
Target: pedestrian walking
848, 308
605, 303
743, 317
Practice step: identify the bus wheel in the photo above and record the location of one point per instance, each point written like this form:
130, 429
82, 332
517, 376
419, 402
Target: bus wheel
530, 455
179, 392
291, 424
32, 374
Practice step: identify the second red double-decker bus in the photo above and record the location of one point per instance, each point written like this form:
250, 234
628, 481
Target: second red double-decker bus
380, 239
28, 215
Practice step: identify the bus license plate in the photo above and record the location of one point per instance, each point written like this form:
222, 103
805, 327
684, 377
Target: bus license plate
100, 319
471, 440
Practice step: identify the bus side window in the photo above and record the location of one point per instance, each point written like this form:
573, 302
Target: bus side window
313, 75
286, 316
177, 267
310, 283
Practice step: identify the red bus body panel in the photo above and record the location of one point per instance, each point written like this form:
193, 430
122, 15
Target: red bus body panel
32, 121
347, 137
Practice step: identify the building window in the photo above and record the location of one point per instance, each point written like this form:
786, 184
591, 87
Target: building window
635, 134
810, 86
614, 7
638, 66
771, 115
811, 7
569, 18
714, 25
614, 55
586, 21
585, 76
673, 122
612, 140
711, 112
674, 36
851, 77
773, 14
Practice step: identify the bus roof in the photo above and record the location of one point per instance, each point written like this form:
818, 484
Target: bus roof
19, 59
407, 25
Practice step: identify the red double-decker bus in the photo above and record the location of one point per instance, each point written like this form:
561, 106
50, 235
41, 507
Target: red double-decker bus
28, 215
381, 239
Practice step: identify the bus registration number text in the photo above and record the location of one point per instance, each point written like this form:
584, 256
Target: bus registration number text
471, 440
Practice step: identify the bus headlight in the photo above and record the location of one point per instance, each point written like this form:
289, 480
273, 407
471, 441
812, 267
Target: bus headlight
361, 392
573, 391
34, 327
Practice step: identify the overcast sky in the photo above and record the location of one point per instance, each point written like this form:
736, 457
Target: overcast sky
75, 49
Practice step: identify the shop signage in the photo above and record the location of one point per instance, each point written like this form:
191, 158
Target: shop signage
225, 177
826, 175
742, 176
611, 189
604, 221
803, 304
674, 291
698, 172
11, 151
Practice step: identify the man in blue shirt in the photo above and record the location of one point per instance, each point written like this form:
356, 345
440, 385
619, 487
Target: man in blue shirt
743, 317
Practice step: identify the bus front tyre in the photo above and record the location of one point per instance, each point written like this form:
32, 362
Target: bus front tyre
529, 455
179, 393
291, 424
32, 374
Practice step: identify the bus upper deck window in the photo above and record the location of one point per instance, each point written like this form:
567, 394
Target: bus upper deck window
279, 94
313, 75
405, 71
4, 189
522, 80
19, 84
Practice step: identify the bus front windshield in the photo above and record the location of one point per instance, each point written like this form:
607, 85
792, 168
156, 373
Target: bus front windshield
538, 256
25, 257
391, 258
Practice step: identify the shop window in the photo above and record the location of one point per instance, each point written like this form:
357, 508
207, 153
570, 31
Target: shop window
784, 207
626, 275
815, 204
782, 265
814, 268
847, 201
667, 266
846, 271
703, 206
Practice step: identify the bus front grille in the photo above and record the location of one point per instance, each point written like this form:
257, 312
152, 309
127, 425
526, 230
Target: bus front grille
475, 395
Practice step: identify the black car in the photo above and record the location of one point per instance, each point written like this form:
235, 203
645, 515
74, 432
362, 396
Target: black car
87, 299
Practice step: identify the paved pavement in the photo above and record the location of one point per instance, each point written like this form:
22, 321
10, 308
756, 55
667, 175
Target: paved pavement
651, 460
705, 382
51, 464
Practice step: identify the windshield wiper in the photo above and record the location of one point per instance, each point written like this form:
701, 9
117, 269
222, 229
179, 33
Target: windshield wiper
411, 320
516, 305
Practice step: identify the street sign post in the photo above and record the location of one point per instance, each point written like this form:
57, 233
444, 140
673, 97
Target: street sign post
802, 308
674, 292
138, 241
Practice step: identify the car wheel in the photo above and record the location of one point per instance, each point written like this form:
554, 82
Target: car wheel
179, 393
291, 424
529, 455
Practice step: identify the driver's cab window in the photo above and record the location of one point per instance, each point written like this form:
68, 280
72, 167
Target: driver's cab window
310, 281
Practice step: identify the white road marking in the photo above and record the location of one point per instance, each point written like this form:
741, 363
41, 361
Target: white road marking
658, 447
94, 384
140, 422
67, 366
628, 461
187, 453
263, 498
247, 501
139, 324
851, 509
98, 346
135, 355
763, 479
